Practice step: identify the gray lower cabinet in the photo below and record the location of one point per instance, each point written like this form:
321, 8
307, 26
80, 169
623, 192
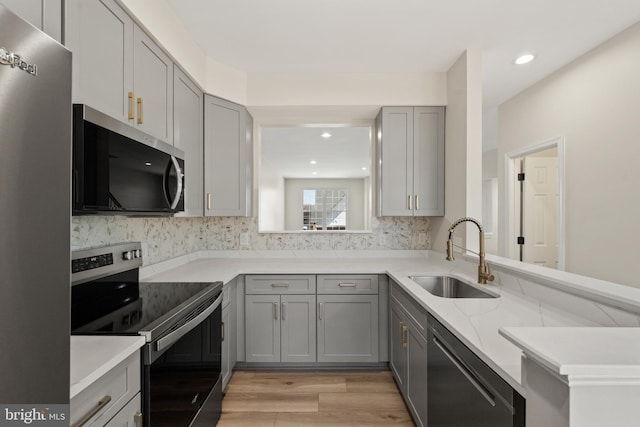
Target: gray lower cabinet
43, 14
410, 150
228, 158
117, 68
348, 328
408, 358
280, 328
188, 137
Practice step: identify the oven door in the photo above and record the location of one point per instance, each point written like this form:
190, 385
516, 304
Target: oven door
182, 384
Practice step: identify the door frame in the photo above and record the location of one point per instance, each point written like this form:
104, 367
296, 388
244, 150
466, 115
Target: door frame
511, 170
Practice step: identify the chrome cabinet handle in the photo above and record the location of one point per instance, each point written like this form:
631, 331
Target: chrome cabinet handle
101, 404
417, 202
208, 201
347, 285
275, 310
137, 419
409, 202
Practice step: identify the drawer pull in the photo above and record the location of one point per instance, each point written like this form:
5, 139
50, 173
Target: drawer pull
404, 334
347, 285
283, 310
99, 407
137, 419
279, 285
275, 310
132, 108
320, 310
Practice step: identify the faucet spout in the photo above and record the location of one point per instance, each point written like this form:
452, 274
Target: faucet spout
484, 273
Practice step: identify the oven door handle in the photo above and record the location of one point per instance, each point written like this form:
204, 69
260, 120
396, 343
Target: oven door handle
174, 336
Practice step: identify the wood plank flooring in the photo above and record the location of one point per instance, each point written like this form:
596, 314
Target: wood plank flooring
313, 398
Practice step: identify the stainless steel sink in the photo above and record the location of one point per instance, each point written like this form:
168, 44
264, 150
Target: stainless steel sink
450, 287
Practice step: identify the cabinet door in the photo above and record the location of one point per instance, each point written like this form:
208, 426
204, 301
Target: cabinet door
428, 161
398, 356
129, 416
44, 14
100, 35
395, 147
416, 379
262, 328
228, 154
298, 328
153, 86
348, 328
187, 136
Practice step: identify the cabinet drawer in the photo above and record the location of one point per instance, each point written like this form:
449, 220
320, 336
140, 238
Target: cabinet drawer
119, 384
348, 284
415, 311
280, 284
129, 415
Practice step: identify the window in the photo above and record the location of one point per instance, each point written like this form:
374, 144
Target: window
324, 209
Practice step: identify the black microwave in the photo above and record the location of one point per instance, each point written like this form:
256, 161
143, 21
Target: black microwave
117, 169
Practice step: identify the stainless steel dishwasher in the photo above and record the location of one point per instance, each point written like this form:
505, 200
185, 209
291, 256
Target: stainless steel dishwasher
463, 391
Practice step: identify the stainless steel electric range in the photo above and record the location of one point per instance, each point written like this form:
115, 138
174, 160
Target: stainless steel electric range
182, 322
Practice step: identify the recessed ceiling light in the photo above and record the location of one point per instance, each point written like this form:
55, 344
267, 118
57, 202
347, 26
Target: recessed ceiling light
314, 173
525, 59
326, 135
364, 169
147, 163
313, 162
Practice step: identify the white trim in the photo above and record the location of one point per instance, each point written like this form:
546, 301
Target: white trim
510, 188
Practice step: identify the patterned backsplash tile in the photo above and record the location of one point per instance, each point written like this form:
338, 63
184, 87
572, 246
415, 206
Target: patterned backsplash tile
166, 238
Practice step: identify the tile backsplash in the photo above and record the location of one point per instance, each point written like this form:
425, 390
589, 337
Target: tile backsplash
166, 238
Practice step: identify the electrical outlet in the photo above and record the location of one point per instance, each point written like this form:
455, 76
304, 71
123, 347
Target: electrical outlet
244, 239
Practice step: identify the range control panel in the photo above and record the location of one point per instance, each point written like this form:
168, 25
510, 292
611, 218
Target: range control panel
92, 263
87, 263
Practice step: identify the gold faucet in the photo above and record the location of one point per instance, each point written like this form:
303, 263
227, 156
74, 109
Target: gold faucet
484, 273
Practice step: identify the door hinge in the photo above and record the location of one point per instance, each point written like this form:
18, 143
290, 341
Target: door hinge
521, 177
521, 240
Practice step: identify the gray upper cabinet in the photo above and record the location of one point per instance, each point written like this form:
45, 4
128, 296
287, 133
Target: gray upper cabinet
153, 87
228, 158
410, 152
44, 14
117, 68
188, 137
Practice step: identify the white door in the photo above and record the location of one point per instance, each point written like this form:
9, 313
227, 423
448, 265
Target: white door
540, 211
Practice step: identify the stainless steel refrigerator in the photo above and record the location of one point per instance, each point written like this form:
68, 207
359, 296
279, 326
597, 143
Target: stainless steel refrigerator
35, 182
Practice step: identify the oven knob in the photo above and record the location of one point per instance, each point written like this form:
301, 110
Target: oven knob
127, 256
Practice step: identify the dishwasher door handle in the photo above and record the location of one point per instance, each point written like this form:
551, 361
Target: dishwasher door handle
465, 371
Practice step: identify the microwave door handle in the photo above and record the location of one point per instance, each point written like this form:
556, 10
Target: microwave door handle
176, 166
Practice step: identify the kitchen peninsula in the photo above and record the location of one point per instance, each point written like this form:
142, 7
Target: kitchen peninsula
530, 299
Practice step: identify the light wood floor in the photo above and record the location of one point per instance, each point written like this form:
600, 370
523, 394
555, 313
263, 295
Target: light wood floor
315, 398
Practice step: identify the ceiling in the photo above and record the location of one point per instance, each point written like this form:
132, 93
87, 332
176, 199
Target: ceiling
290, 151
402, 36
405, 35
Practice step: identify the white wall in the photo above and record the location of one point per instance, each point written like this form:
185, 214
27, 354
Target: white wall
356, 211
593, 102
463, 152
338, 89
271, 199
